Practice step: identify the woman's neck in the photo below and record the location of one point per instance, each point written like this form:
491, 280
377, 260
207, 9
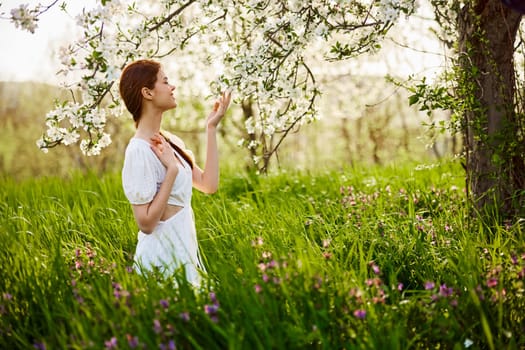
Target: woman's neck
148, 126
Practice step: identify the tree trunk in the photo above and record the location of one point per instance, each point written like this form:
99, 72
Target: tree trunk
495, 157
247, 111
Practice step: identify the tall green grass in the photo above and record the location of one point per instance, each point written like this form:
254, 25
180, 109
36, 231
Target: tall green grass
360, 258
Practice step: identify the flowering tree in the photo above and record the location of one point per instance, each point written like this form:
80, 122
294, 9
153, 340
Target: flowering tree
258, 48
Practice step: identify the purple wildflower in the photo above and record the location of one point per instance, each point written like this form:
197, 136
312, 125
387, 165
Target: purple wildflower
429, 285
39, 346
133, 342
170, 346
111, 344
185, 316
164, 303
400, 286
272, 264
360, 314
211, 309
213, 297
258, 288
445, 291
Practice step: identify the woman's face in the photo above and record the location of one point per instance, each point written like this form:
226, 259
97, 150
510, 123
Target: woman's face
163, 91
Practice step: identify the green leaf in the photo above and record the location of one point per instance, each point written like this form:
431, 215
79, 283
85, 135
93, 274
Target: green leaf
413, 99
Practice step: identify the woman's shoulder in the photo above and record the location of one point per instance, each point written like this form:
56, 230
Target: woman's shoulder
138, 148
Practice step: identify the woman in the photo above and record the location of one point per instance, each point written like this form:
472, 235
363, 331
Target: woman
158, 173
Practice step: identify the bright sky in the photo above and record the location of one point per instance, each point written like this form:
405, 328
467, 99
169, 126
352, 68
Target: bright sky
32, 57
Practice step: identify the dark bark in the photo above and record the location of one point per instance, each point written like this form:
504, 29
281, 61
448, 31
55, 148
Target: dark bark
495, 157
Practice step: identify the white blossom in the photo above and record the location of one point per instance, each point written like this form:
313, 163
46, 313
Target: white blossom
216, 44
25, 18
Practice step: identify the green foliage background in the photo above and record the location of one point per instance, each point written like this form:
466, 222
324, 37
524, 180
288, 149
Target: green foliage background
381, 134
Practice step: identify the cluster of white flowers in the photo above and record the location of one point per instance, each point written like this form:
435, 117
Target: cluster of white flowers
67, 120
390, 10
258, 48
25, 18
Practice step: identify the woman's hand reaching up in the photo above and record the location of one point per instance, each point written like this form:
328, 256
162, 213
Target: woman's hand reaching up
219, 109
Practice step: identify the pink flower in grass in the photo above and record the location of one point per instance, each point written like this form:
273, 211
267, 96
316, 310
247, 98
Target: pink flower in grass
157, 328
492, 282
327, 255
257, 242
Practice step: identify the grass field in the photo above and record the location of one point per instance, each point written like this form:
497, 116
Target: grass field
360, 258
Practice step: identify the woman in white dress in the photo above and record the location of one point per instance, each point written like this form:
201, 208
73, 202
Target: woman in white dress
159, 173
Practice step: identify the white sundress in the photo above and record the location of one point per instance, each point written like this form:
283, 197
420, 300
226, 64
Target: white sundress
173, 243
